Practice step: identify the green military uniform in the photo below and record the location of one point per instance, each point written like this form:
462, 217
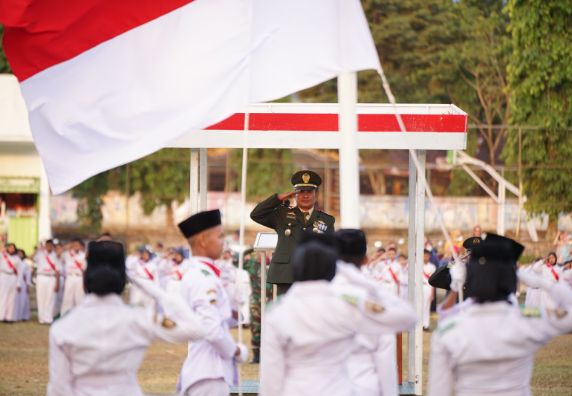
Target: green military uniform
252, 266
290, 223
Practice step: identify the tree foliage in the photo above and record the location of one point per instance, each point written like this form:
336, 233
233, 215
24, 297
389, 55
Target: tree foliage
268, 171
540, 79
160, 179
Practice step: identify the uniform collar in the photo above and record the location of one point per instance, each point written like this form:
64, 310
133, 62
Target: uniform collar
309, 288
92, 299
208, 263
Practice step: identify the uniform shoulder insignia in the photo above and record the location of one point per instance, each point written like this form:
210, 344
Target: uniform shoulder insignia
168, 324
373, 307
445, 327
211, 293
559, 313
350, 299
530, 312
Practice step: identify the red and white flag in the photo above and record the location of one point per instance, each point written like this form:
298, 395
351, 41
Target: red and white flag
108, 82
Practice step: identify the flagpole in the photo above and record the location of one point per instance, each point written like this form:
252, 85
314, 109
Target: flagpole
348, 152
241, 231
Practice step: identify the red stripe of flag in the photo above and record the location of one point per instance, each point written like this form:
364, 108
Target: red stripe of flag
326, 122
47, 32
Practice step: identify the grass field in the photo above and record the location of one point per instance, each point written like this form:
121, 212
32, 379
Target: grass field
24, 363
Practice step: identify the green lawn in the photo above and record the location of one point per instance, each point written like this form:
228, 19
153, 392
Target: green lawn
24, 363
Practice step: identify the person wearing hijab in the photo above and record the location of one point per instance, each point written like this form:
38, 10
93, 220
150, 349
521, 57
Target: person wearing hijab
97, 348
488, 347
309, 334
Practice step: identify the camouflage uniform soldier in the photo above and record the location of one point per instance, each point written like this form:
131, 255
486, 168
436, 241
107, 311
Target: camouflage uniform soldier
252, 266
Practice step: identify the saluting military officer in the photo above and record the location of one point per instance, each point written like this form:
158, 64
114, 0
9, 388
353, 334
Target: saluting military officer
290, 222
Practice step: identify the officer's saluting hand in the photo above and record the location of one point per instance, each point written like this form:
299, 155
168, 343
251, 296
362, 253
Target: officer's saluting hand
290, 222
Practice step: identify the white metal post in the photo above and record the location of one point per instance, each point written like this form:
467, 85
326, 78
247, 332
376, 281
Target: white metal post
203, 179
349, 163
262, 284
501, 208
194, 182
44, 221
415, 251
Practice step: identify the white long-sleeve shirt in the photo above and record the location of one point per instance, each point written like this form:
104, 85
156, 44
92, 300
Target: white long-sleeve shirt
489, 348
97, 348
212, 357
308, 336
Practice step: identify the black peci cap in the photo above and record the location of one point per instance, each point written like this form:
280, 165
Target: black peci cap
105, 272
351, 242
200, 222
306, 180
109, 253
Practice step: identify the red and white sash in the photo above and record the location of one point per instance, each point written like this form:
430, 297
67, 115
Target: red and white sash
213, 267
77, 263
554, 273
10, 263
148, 273
51, 264
393, 275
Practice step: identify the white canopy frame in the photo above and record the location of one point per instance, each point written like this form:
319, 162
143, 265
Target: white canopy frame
416, 127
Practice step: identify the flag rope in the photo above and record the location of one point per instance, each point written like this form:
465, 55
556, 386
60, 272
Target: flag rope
421, 175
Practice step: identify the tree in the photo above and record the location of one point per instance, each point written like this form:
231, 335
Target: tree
4, 66
269, 171
160, 179
540, 80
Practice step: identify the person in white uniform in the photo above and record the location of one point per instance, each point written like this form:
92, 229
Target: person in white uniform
488, 347
428, 290
48, 270
403, 277
97, 348
173, 269
25, 284
210, 366
11, 276
547, 268
309, 334
372, 365
144, 270
74, 263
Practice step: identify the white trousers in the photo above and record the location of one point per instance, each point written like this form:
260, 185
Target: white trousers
208, 387
140, 299
387, 365
46, 297
8, 297
73, 292
427, 292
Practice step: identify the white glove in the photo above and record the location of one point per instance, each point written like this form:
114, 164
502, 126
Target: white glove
149, 288
243, 355
458, 274
532, 279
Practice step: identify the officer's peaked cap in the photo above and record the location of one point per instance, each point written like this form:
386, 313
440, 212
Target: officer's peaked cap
471, 242
200, 222
306, 180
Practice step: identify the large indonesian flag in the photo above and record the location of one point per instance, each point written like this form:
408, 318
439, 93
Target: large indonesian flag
109, 81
